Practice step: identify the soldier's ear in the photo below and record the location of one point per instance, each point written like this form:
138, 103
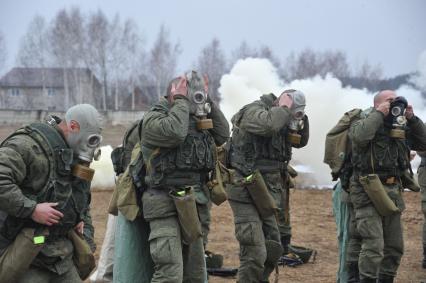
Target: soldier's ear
74, 126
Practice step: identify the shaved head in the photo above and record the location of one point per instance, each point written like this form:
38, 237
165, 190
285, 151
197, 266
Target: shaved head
383, 96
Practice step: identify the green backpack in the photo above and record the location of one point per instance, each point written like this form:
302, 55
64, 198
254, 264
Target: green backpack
338, 147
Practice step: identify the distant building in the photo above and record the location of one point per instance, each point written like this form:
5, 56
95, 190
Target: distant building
54, 89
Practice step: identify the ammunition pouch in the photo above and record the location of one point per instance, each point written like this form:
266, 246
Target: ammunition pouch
127, 202
217, 191
274, 251
117, 160
408, 182
83, 258
18, 256
130, 186
187, 214
260, 195
378, 195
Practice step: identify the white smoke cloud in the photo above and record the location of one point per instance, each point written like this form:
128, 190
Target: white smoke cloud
420, 78
104, 171
326, 100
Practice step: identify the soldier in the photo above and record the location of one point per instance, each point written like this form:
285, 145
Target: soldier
44, 185
261, 142
179, 135
381, 143
422, 182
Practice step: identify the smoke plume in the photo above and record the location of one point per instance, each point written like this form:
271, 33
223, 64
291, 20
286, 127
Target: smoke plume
104, 172
326, 100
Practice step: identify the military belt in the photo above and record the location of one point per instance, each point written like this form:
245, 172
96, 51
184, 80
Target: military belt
177, 178
270, 166
390, 180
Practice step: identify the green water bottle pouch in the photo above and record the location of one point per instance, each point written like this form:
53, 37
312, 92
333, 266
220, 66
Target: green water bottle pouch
260, 195
378, 195
190, 225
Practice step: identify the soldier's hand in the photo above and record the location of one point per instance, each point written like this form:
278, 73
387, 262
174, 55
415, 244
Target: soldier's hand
180, 88
409, 112
285, 100
44, 213
79, 228
384, 108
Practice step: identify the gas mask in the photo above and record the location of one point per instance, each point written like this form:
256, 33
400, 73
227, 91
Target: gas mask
197, 95
298, 113
396, 118
84, 143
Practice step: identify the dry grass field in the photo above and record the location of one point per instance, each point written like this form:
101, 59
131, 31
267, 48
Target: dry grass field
313, 226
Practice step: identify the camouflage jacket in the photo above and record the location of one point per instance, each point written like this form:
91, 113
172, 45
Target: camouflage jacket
24, 174
374, 151
259, 134
167, 128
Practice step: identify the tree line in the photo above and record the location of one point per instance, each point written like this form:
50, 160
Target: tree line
116, 52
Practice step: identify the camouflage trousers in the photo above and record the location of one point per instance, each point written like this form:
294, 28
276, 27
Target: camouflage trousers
38, 275
174, 261
282, 198
251, 232
422, 182
204, 205
382, 244
354, 238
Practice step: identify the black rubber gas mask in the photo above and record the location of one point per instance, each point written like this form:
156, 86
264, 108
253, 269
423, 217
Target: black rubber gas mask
396, 118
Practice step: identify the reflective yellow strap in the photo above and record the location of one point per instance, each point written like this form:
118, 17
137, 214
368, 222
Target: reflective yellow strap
249, 178
38, 240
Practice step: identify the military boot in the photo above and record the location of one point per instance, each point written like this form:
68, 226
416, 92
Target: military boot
285, 241
368, 280
385, 279
353, 272
424, 257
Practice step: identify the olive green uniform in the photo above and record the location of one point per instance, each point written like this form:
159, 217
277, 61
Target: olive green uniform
422, 182
177, 155
204, 205
374, 151
27, 176
259, 142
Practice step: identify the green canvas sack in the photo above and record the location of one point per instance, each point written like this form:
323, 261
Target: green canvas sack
337, 145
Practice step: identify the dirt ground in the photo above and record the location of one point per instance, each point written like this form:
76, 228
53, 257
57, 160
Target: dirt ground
313, 226
312, 222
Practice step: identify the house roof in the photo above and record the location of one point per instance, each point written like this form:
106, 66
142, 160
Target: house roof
34, 77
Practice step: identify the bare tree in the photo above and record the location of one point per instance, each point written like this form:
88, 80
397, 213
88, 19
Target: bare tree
99, 37
162, 61
243, 51
212, 62
67, 43
34, 46
3, 52
369, 72
309, 63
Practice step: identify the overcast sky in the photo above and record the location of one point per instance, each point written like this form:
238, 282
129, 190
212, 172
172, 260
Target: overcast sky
389, 32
